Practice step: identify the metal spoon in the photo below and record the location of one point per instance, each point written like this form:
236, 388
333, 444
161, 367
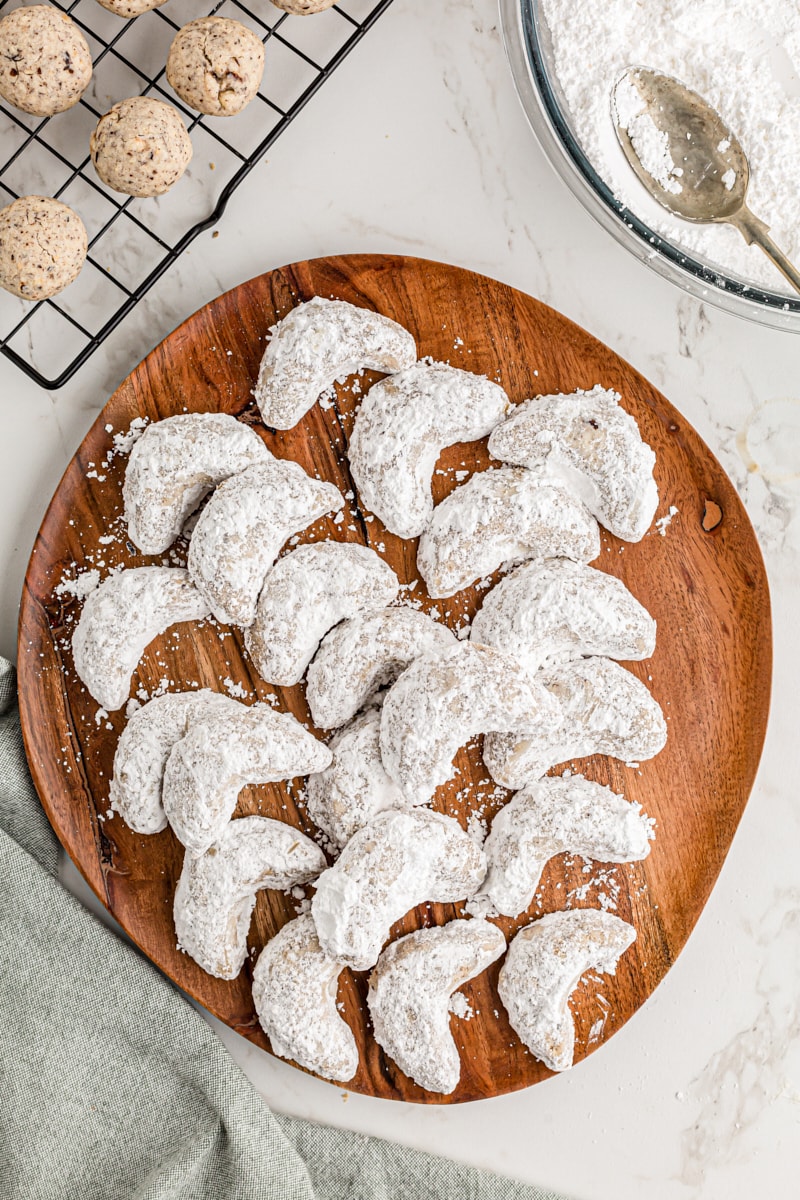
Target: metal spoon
703, 172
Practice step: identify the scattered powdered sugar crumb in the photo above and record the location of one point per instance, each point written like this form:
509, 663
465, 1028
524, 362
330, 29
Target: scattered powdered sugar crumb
460, 1006
477, 828
237, 690
663, 523
605, 884
480, 906
123, 443
80, 586
597, 1030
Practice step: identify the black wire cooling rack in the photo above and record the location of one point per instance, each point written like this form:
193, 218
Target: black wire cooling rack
132, 242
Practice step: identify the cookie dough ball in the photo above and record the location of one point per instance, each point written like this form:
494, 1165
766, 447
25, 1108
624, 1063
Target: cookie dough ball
215, 65
45, 64
302, 8
130, 8
42, 247
141, 147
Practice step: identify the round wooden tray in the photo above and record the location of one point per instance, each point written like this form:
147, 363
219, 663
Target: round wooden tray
703, 580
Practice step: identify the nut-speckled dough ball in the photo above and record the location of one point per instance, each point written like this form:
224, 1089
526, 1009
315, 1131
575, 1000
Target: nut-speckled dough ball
141, 147
215, 65
130, 8
42, 247
45, 64
302, 8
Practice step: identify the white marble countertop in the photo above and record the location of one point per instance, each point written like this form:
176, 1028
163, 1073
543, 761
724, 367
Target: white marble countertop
418, 145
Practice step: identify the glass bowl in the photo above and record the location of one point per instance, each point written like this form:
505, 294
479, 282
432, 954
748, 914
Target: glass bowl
529, 49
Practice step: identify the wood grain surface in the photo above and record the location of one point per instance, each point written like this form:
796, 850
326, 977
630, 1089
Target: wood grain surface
703, 580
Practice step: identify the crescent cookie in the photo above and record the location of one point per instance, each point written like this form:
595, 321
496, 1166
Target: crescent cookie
120, 619
367, 653
144, 747
397, 861
305, 594
221, 754
355, 787
174, 464
403, 425
549, 817
242, 528
444, 699
216, 892
605, 710
556, 609
294, 992
319, 343
409, 996
588, 440
497, 516
543, 967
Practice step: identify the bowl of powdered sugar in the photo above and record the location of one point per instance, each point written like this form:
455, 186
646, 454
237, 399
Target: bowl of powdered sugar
743, 56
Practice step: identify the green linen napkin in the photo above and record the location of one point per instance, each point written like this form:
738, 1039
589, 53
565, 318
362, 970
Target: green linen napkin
112, 1086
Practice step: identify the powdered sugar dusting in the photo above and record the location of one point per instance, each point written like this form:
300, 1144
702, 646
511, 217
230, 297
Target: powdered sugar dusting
650, 143
403, 425
498, 516
542, 968
174, 464
317, 343
549, 817
216, 892
294, 992
345, 796
409, 996
79, 587
460, 1007
663, 523
121, 617
305, 594
548, 612
400, 859
606, 710
242, 528
365, 653
443, 699
591, 443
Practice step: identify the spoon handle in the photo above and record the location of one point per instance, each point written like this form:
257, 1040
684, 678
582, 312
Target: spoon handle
755, 232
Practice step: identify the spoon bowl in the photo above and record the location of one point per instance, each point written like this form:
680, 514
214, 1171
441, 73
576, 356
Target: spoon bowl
687, 157
710, 173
